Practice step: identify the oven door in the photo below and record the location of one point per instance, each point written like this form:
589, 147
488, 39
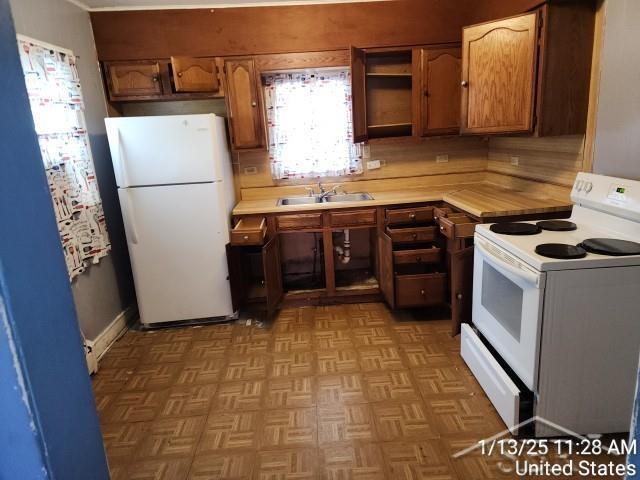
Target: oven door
507, 307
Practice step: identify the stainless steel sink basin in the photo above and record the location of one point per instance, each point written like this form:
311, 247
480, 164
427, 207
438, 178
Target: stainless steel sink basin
298, 200
342, 197
348, 197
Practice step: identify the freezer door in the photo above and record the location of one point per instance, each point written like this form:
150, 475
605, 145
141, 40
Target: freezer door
167, 150
176, 237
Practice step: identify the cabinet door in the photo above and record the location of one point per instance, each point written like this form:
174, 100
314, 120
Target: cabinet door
440, 96
358, 95
461, 288
385, 248
133, 79
272, 275
499, 63
195, 74
236, 276
243, 104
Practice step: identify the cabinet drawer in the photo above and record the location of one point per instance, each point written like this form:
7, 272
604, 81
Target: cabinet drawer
457, 227
412, 235
420, 290
300, 221
249, 231
353, 218
422, 255
408, 216
503, 393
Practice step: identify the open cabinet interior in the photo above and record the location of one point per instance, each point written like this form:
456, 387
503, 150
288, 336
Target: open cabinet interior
354, 259
389, 85
302, 261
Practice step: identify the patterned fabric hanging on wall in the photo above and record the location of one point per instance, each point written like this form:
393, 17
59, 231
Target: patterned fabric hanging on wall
309, 123
56, 102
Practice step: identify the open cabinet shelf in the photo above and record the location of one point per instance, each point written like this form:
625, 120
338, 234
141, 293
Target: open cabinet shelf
386, 91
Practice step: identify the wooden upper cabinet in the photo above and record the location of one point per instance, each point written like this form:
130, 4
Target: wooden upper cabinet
133, 79
499, 75
530, 73
440, 90
358, 95
244, 104
195, 74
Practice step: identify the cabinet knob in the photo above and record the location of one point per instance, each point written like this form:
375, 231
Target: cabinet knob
422, 292
442, 229
464, 83
419, 259
246, 237
155, 79
180, 74
254, 104
415, 235
459, 296
412, 216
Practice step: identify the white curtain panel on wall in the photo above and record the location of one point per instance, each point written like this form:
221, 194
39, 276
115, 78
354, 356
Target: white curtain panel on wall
56, 102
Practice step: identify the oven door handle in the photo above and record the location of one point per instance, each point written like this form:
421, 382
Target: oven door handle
499, 263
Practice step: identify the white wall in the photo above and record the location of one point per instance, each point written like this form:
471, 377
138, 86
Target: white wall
617, 144
106, 289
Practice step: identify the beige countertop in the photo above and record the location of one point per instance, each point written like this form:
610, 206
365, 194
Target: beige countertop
478, 199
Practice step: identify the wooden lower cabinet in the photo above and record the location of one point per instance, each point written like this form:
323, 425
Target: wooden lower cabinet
255, 275
461, 288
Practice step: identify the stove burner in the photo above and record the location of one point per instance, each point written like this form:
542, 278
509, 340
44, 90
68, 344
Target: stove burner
557, 225
515, 228
560, 250
611, 246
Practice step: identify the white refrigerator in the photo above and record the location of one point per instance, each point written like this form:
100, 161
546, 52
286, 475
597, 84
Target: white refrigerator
175, 184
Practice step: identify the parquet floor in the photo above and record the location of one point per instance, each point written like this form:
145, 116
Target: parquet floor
339, 392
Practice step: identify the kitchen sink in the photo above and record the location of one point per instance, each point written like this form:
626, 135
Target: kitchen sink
342, 197
298, 200
348, 197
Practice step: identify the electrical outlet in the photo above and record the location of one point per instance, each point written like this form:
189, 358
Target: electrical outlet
515, 160
373, 164
250, 170
444, 158
366, 152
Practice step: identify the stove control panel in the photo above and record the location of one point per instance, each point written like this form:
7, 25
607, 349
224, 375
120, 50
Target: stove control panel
618, 196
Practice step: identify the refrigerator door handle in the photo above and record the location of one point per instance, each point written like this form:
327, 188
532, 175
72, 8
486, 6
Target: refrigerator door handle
128, 216
122, 164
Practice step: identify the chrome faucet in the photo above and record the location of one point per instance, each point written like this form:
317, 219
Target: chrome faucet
326, 193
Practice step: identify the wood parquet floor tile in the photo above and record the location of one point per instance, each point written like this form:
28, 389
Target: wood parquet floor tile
289, 428
291, 364
290, 393
354, 461
341, 389
336, 392
338, 423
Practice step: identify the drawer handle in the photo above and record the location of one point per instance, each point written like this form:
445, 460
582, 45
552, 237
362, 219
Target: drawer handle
246, 237
422, 292
412, 216
415, 236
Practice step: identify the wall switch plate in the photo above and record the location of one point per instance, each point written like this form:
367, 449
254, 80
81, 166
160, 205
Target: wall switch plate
366, 152
373, 164
444, 158
515, 160
250, 170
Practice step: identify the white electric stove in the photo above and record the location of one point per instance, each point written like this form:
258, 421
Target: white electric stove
556, 328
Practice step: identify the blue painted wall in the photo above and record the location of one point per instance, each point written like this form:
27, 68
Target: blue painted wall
39, 307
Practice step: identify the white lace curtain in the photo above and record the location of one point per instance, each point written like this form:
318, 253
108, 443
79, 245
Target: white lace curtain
56, 102
309, 123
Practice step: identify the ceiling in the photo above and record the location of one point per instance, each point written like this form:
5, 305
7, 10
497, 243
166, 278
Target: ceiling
165, 4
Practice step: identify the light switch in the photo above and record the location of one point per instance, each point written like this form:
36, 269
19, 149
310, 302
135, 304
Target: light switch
250, 170
373, 164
